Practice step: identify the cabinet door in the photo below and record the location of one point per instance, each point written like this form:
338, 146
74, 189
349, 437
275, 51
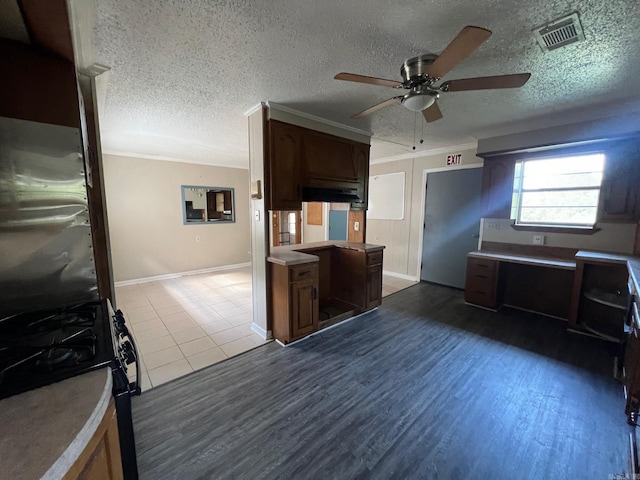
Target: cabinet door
361, 160
497, 187
285, 191
374, 286
328, 157
619, 193
304, 308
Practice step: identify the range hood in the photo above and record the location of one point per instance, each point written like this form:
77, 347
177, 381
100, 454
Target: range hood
324, 194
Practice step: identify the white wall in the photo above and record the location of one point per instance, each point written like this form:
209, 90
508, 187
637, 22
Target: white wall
402, 238
144, 206
613, 237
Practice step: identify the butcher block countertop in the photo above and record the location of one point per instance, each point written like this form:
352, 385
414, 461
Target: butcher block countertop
45, 430
303, 253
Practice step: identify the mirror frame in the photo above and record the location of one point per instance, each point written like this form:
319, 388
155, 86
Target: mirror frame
224, 221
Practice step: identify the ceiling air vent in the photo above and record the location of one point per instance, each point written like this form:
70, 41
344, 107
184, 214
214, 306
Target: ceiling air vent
559, 33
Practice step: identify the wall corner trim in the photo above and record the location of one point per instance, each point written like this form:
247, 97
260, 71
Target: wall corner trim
264, 334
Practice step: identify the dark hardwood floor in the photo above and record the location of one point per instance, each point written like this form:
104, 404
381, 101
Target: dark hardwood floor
423, 387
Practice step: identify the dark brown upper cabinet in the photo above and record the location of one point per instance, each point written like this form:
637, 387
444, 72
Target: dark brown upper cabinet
284, 167
619, 195
497, 187
299, 157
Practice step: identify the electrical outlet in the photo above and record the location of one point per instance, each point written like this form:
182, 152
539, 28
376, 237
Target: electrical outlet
493, 226
356, 226
538, 239
377, 238
197, 238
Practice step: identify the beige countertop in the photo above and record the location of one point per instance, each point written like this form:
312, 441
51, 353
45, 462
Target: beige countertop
527, 260
45, 430
303, 253
633, 263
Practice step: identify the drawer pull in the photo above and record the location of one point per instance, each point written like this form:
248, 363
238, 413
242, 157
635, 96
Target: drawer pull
481, 276
478, 291
482, 265
301, 274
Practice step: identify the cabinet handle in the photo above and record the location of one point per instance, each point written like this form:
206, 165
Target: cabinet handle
314, 293
302, 274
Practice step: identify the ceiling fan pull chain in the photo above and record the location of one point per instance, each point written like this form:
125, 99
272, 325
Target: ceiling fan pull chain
415, 115
422, 130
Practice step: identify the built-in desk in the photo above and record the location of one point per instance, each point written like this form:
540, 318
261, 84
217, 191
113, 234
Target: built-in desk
539, 284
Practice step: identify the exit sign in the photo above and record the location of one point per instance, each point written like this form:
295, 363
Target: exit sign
454, 159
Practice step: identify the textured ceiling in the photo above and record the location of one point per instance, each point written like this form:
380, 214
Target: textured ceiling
184, 71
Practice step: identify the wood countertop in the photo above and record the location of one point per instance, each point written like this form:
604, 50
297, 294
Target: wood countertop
303, 253
46, 429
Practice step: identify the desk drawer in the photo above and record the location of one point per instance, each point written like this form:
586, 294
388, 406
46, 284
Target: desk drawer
305, 271
481, 266
480, 297
481, 282
374, 258
479, 285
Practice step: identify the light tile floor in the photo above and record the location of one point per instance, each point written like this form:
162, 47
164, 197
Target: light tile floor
184, 324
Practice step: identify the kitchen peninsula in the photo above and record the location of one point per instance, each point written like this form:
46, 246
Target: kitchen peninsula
315, 285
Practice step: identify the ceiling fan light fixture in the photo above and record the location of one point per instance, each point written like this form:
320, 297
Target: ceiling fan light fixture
418, 101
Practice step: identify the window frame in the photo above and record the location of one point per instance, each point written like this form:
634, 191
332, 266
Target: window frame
516, 194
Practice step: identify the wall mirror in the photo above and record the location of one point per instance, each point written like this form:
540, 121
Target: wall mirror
207, 205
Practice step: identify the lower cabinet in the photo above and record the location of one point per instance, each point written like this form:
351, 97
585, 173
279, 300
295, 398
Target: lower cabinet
481, 285
374, 280
294, 300
631, 375
100, 460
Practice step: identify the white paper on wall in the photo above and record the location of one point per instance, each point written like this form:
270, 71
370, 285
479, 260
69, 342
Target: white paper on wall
386, 197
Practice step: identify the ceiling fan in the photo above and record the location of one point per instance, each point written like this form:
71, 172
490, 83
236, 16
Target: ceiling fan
420, 74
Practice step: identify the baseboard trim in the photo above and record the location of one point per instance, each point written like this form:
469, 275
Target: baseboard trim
403, 276
167, 276
264, 334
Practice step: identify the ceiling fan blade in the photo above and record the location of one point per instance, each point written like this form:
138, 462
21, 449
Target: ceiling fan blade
432, 113
377, 107
484, 83
352, 77
460, 48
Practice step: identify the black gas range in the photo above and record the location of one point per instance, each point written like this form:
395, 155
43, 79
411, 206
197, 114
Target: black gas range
43, 347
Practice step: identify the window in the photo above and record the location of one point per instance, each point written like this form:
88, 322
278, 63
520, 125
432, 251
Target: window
207, 205
292, 223
561, 191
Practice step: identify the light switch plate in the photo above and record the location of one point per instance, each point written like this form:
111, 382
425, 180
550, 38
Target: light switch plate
356, 226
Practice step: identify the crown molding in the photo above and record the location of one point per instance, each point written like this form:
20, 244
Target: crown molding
314, 118
425, 153
169, 159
